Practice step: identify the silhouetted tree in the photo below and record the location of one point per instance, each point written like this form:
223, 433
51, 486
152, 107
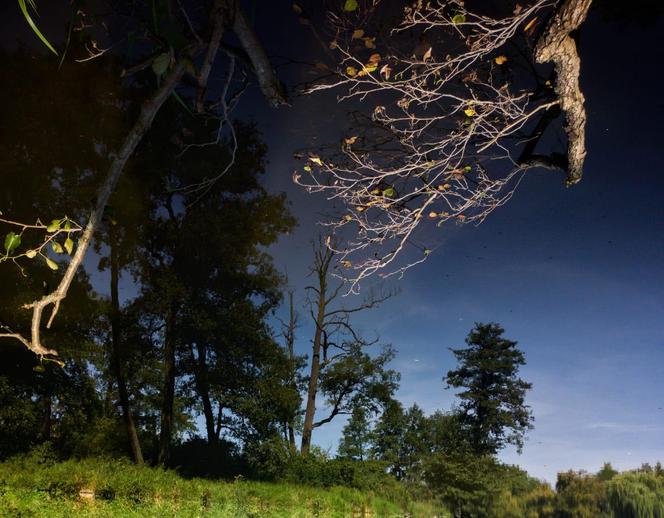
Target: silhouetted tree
493, 397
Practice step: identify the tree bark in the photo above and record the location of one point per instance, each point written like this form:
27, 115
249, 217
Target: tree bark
168, 391
117, 360
555, 44
324, 257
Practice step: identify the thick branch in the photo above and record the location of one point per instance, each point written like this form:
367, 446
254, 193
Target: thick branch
558, 46
270, 85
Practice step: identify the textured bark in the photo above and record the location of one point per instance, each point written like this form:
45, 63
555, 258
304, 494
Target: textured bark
117, 357
555, 44
168, 390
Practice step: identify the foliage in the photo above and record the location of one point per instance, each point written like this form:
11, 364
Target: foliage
493, 400
356, 437
30, 488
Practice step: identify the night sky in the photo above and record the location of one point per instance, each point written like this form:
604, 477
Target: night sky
576, 275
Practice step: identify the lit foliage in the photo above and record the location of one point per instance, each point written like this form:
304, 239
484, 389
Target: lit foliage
449, 118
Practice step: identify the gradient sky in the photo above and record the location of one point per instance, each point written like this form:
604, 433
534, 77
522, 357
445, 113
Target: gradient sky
576, 275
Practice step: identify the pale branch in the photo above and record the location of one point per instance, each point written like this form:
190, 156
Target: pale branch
443, 134
141, 126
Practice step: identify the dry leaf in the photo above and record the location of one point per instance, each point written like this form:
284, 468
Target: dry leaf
370, 43
500, 60
530, 24
357, 34
427, 54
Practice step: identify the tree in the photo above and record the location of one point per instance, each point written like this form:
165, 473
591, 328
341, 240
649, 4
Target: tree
493, 400
176, 46
459, 101
356, 437
206, 279
339, 367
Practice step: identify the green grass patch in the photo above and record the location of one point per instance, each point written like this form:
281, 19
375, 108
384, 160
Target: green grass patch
118, 488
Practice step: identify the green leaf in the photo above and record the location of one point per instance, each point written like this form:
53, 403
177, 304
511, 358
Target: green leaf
12, 240
51, 264
57, 247
389, 192
55, 225
31, 23
69, 245
350, 6
458, 18
39, 368
67, 225
31, 254
160, 63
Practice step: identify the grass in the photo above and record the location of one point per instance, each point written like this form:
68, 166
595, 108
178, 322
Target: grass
116, 488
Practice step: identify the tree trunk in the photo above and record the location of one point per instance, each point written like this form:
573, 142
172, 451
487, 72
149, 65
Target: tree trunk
203, 389
168, 392
315, 365
117, 360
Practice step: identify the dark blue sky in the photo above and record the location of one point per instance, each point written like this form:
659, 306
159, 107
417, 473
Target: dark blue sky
576, 275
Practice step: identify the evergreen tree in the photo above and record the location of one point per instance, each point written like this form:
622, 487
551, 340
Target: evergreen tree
493, 400
356, 438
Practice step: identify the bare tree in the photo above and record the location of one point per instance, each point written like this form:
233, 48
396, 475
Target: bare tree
205, 43
336, 343
458, 108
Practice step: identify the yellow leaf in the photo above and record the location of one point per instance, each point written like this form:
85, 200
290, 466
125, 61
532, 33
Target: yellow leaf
346, 263
359, 209
57, 248
348, 217
51, 264
307, 168
350, 140
470, 112
357, 34
316, 160
69, 245
371, 67
31, 254
427, 54
530, 24
351, 71
433, 214
500, 60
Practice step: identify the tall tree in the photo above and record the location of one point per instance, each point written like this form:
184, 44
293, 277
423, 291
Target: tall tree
339, 367
493, 396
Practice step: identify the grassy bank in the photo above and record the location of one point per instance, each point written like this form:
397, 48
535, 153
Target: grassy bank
116, 488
